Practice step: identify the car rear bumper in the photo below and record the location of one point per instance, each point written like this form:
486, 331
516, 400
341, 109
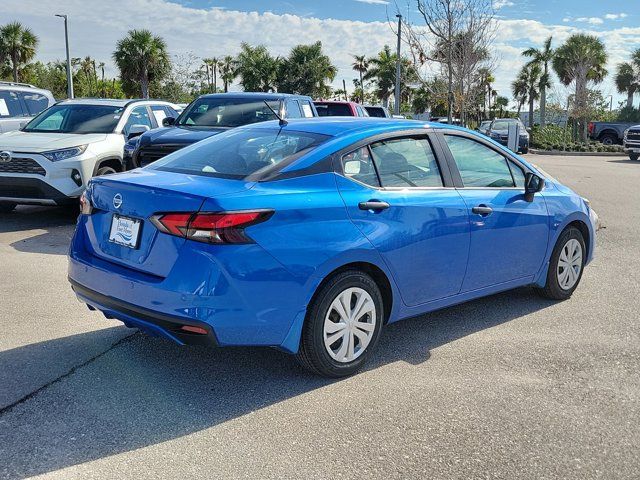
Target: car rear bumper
234, 292
151, 322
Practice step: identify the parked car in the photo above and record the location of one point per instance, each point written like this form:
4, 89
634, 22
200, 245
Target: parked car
609, 133
483, 128
631, 142
499, 131
310, 237
50, 160
336, 108
19, 103
212, 114
377, 111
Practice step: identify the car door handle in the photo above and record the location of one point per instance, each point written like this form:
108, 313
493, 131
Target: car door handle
373, 205
482, 210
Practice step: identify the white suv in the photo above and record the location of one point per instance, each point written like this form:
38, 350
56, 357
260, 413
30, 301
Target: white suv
51, 159
19, 103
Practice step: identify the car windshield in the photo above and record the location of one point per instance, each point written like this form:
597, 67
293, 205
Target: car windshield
227, 112
333, 109
503, 124
76, 118
239, 153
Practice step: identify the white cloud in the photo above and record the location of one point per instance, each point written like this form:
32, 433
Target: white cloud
374, 2
94, 30
498, 4
590, 20
615, 16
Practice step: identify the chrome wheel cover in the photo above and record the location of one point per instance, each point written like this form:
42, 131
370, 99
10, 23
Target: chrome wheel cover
349, 324
569, 264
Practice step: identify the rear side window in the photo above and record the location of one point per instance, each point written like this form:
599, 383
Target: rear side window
479, 166
307, 110
333, 110
359, 166
293, 109
10, 105
160, 112
239, 153
35, 102
406, 162
375, 112
138, 116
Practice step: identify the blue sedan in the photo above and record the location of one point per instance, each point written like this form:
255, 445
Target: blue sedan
310, 236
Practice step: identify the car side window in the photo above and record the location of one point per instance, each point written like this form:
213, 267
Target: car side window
518, 174
307, 111
406, 162
138, 116
479, 165
35, 102
159, 113
293, 109
359, 166
10, 105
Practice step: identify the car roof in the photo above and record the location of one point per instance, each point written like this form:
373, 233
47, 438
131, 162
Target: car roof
258, 95
335, 126
115, 102
24, 87
335, 102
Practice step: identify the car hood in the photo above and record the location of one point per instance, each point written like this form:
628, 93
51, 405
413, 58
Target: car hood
178, 135
18, 141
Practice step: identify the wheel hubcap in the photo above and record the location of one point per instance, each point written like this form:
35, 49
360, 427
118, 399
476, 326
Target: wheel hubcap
349, 324
569, 264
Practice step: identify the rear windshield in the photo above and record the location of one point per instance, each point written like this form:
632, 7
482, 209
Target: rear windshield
76, 119
227, 112
239, 153
333, 110
376, 112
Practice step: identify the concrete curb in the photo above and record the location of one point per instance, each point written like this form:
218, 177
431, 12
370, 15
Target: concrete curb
562, 153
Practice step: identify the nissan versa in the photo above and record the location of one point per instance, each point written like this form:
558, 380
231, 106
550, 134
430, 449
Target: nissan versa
311, 235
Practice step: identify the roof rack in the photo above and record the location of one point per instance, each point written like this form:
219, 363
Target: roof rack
17, 84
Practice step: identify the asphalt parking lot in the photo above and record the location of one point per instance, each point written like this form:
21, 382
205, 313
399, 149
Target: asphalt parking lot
511, 386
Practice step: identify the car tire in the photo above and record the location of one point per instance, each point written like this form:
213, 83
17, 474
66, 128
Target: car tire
105, 171
317, 353
634, 156
609, 139
7, 207
560, 285
525, 150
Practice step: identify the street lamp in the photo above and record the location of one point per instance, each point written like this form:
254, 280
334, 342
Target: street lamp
66, 39
396, 106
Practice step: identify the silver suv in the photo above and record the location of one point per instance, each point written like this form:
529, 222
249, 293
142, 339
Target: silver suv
19, 103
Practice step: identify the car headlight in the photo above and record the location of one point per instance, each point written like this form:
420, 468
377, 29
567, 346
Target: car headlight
64, 153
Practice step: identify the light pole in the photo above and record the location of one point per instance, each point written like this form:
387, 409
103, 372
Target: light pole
66, 39
396, 106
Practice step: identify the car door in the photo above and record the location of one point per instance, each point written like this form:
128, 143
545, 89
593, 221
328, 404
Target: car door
509, 234
397, 193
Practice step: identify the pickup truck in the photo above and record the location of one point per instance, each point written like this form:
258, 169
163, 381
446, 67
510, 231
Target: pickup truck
631, 142
609, 133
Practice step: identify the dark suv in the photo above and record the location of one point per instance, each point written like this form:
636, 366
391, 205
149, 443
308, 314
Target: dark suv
209, 115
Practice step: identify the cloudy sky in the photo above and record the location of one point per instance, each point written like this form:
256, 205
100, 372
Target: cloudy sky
210, 28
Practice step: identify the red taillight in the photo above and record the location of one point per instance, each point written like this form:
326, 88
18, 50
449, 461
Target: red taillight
223, 227
590, 126
85, 204
192, 329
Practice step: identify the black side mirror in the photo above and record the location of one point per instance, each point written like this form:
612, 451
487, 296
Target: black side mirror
168, 121
532, 185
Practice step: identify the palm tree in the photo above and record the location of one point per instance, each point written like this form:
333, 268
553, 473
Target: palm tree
485, 79
581, 59
628, 77
228, 71
142, 57
502, 102
382, 70
257, 69
18, 45
542, 57
520, 90
532, 73
360, 65
306, 71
